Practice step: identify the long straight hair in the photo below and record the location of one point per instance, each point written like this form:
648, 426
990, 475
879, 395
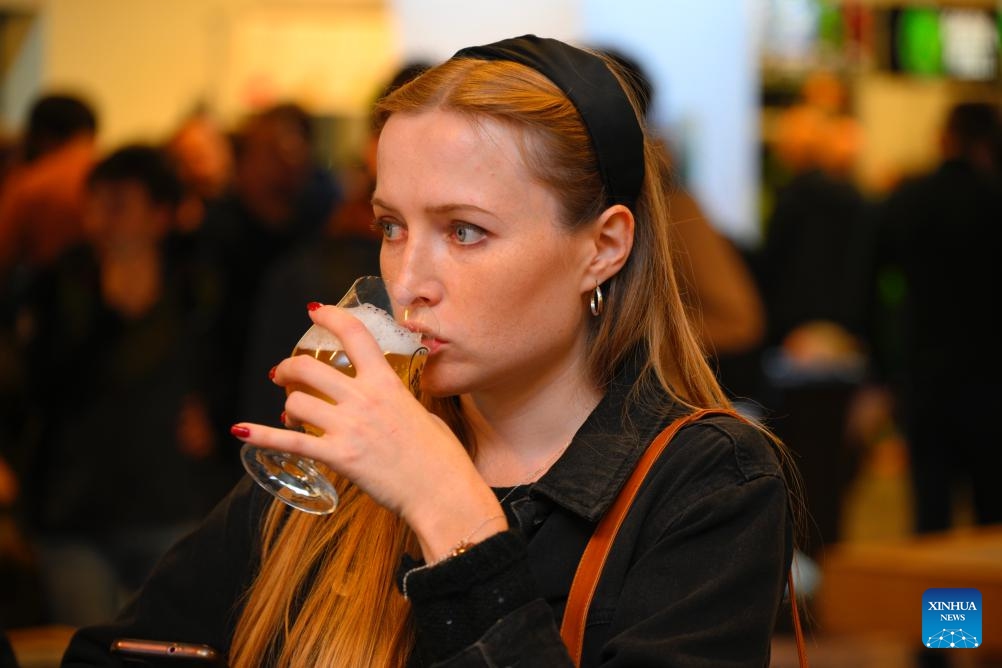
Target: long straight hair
325, 593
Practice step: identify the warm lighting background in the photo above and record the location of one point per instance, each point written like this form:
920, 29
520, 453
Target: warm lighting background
144, 63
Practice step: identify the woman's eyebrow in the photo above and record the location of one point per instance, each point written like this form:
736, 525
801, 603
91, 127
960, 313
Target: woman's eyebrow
447, 207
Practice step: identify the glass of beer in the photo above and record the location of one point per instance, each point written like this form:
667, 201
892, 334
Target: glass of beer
306, 484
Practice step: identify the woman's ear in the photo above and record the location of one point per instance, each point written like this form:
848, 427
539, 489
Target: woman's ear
612, 234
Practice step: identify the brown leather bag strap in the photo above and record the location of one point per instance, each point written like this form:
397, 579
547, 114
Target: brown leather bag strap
593, 560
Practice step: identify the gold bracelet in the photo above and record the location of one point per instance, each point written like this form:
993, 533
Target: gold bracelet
461, 548
465, 544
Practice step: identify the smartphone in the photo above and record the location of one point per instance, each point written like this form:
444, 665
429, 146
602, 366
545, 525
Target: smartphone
154, 652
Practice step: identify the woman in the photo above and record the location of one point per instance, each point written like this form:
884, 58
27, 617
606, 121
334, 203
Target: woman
534, 226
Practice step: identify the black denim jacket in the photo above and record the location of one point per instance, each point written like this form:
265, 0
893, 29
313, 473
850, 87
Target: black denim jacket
695, 577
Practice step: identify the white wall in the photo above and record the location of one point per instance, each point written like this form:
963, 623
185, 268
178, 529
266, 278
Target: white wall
435, 29
143, 63
703, 60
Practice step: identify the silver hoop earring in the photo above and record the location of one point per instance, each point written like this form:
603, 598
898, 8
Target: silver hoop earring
597, 302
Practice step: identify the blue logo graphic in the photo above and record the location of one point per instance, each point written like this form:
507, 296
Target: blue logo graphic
951, 618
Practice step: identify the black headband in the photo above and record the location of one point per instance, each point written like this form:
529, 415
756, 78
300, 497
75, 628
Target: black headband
599, 98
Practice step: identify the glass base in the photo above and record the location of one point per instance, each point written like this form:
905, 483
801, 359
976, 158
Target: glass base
295, 480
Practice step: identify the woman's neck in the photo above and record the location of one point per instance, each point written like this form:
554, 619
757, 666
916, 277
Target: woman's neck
519, 431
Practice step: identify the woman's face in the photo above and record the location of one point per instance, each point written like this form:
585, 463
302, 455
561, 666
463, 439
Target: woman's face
469, 231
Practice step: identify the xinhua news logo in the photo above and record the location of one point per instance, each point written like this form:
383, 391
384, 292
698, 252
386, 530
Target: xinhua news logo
951, 618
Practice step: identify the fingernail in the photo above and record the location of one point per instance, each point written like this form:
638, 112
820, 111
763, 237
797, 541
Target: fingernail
281, 418
271, 373
240, 432
313, 306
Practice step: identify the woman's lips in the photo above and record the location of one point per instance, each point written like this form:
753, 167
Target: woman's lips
432, 344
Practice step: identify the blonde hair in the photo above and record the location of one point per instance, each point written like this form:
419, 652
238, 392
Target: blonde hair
304, 606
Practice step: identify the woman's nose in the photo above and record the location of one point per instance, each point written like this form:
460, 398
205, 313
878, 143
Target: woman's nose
411, 274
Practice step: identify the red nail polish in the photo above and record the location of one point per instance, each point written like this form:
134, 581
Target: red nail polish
313, 306
240, 432
281, 418
271, 373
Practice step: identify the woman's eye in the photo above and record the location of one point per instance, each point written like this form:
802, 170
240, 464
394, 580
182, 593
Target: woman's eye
466, 234
391, 230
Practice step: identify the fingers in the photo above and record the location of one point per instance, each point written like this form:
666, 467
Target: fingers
351, 414
303, 408
274, 438
308, 374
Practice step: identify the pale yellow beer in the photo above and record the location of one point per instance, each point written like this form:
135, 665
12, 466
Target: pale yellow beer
402, 350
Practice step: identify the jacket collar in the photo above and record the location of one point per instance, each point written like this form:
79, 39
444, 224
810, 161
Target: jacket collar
605, 450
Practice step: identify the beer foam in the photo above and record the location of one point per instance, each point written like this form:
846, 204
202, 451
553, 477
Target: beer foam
391, 335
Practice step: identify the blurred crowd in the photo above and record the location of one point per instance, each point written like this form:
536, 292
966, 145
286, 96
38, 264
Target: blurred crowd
878, 307
147, 289
141, 284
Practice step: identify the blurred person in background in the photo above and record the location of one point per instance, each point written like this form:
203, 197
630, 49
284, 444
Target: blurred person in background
280, 198
321, 271
814, 279
124, 459
203, 153
42, 196
941, 232
807, 262
41, 203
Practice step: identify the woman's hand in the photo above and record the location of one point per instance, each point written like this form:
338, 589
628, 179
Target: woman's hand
380, 437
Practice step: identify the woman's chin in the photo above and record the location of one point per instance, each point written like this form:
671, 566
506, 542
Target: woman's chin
433, 385
437, 382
